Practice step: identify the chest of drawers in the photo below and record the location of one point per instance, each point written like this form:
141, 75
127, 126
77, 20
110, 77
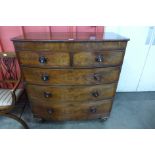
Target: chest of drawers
70, 78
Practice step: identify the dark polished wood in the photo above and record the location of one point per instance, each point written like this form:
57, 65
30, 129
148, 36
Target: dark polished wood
71, 93
91, 76
67, 37
98, 59
71, 110
53, 59
67, 46
64, 59
71, 77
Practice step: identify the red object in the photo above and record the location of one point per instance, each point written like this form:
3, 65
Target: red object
8, 32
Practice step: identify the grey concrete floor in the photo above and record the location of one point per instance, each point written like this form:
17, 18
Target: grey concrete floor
130, 111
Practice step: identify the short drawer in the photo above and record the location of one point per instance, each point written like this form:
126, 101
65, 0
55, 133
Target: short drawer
91, 46
44, 59
71, 76
72, 110
98, 59
42, 46
71, 93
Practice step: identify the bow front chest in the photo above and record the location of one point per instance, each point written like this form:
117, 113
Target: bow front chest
70, 76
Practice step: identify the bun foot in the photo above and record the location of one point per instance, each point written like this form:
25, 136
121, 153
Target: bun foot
104, 118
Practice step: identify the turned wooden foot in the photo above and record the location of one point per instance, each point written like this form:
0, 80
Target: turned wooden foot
104, 118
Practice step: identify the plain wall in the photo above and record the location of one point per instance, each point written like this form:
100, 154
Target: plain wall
138, 73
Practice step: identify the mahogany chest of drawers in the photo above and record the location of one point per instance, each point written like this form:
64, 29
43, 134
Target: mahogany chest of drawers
70, 77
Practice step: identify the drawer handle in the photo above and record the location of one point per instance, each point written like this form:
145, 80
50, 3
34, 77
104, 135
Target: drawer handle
95, 94
93, 109
97, 77
45, 77
47, 94
50, 111
42, 59
99, 58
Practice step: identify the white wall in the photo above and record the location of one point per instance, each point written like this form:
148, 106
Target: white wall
147, 81
134, 75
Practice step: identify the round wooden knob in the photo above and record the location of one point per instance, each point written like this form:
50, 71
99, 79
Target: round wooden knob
95, 94
47, 94
93, 109
50, 111
42, 59
45, 77
97, 77
99, 58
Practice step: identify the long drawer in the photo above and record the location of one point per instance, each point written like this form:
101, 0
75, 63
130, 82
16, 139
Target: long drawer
71, 93
67, 46
71, 76
71, 111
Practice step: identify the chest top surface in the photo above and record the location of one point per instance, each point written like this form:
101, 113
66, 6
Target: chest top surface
70, 37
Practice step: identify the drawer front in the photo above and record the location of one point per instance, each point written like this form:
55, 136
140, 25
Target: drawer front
42, 46
98, 59
71, 93
72, 110
91, 46
44, 59
71, 76
78, 46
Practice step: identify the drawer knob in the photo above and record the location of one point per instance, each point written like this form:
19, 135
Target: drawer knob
47, 94
97, 77
93, 109
95, 94
45, 77
50, 111
99, 58
42, 59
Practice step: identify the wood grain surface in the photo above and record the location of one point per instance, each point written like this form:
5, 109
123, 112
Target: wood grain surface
71, 111
71, 76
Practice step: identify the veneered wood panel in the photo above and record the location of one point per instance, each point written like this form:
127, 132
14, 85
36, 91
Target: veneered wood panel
71, 76
99, 46
98, 59
52, 59
71, 93
59, 111
42, 46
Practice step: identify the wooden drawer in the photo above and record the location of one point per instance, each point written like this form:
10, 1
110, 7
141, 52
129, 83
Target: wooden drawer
71, 111
71, 93
98, 59
67, 46
44, 59
42, 46
71, 76
91, 46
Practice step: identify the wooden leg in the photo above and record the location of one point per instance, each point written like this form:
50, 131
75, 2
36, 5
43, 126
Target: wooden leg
104, 118
17, 119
